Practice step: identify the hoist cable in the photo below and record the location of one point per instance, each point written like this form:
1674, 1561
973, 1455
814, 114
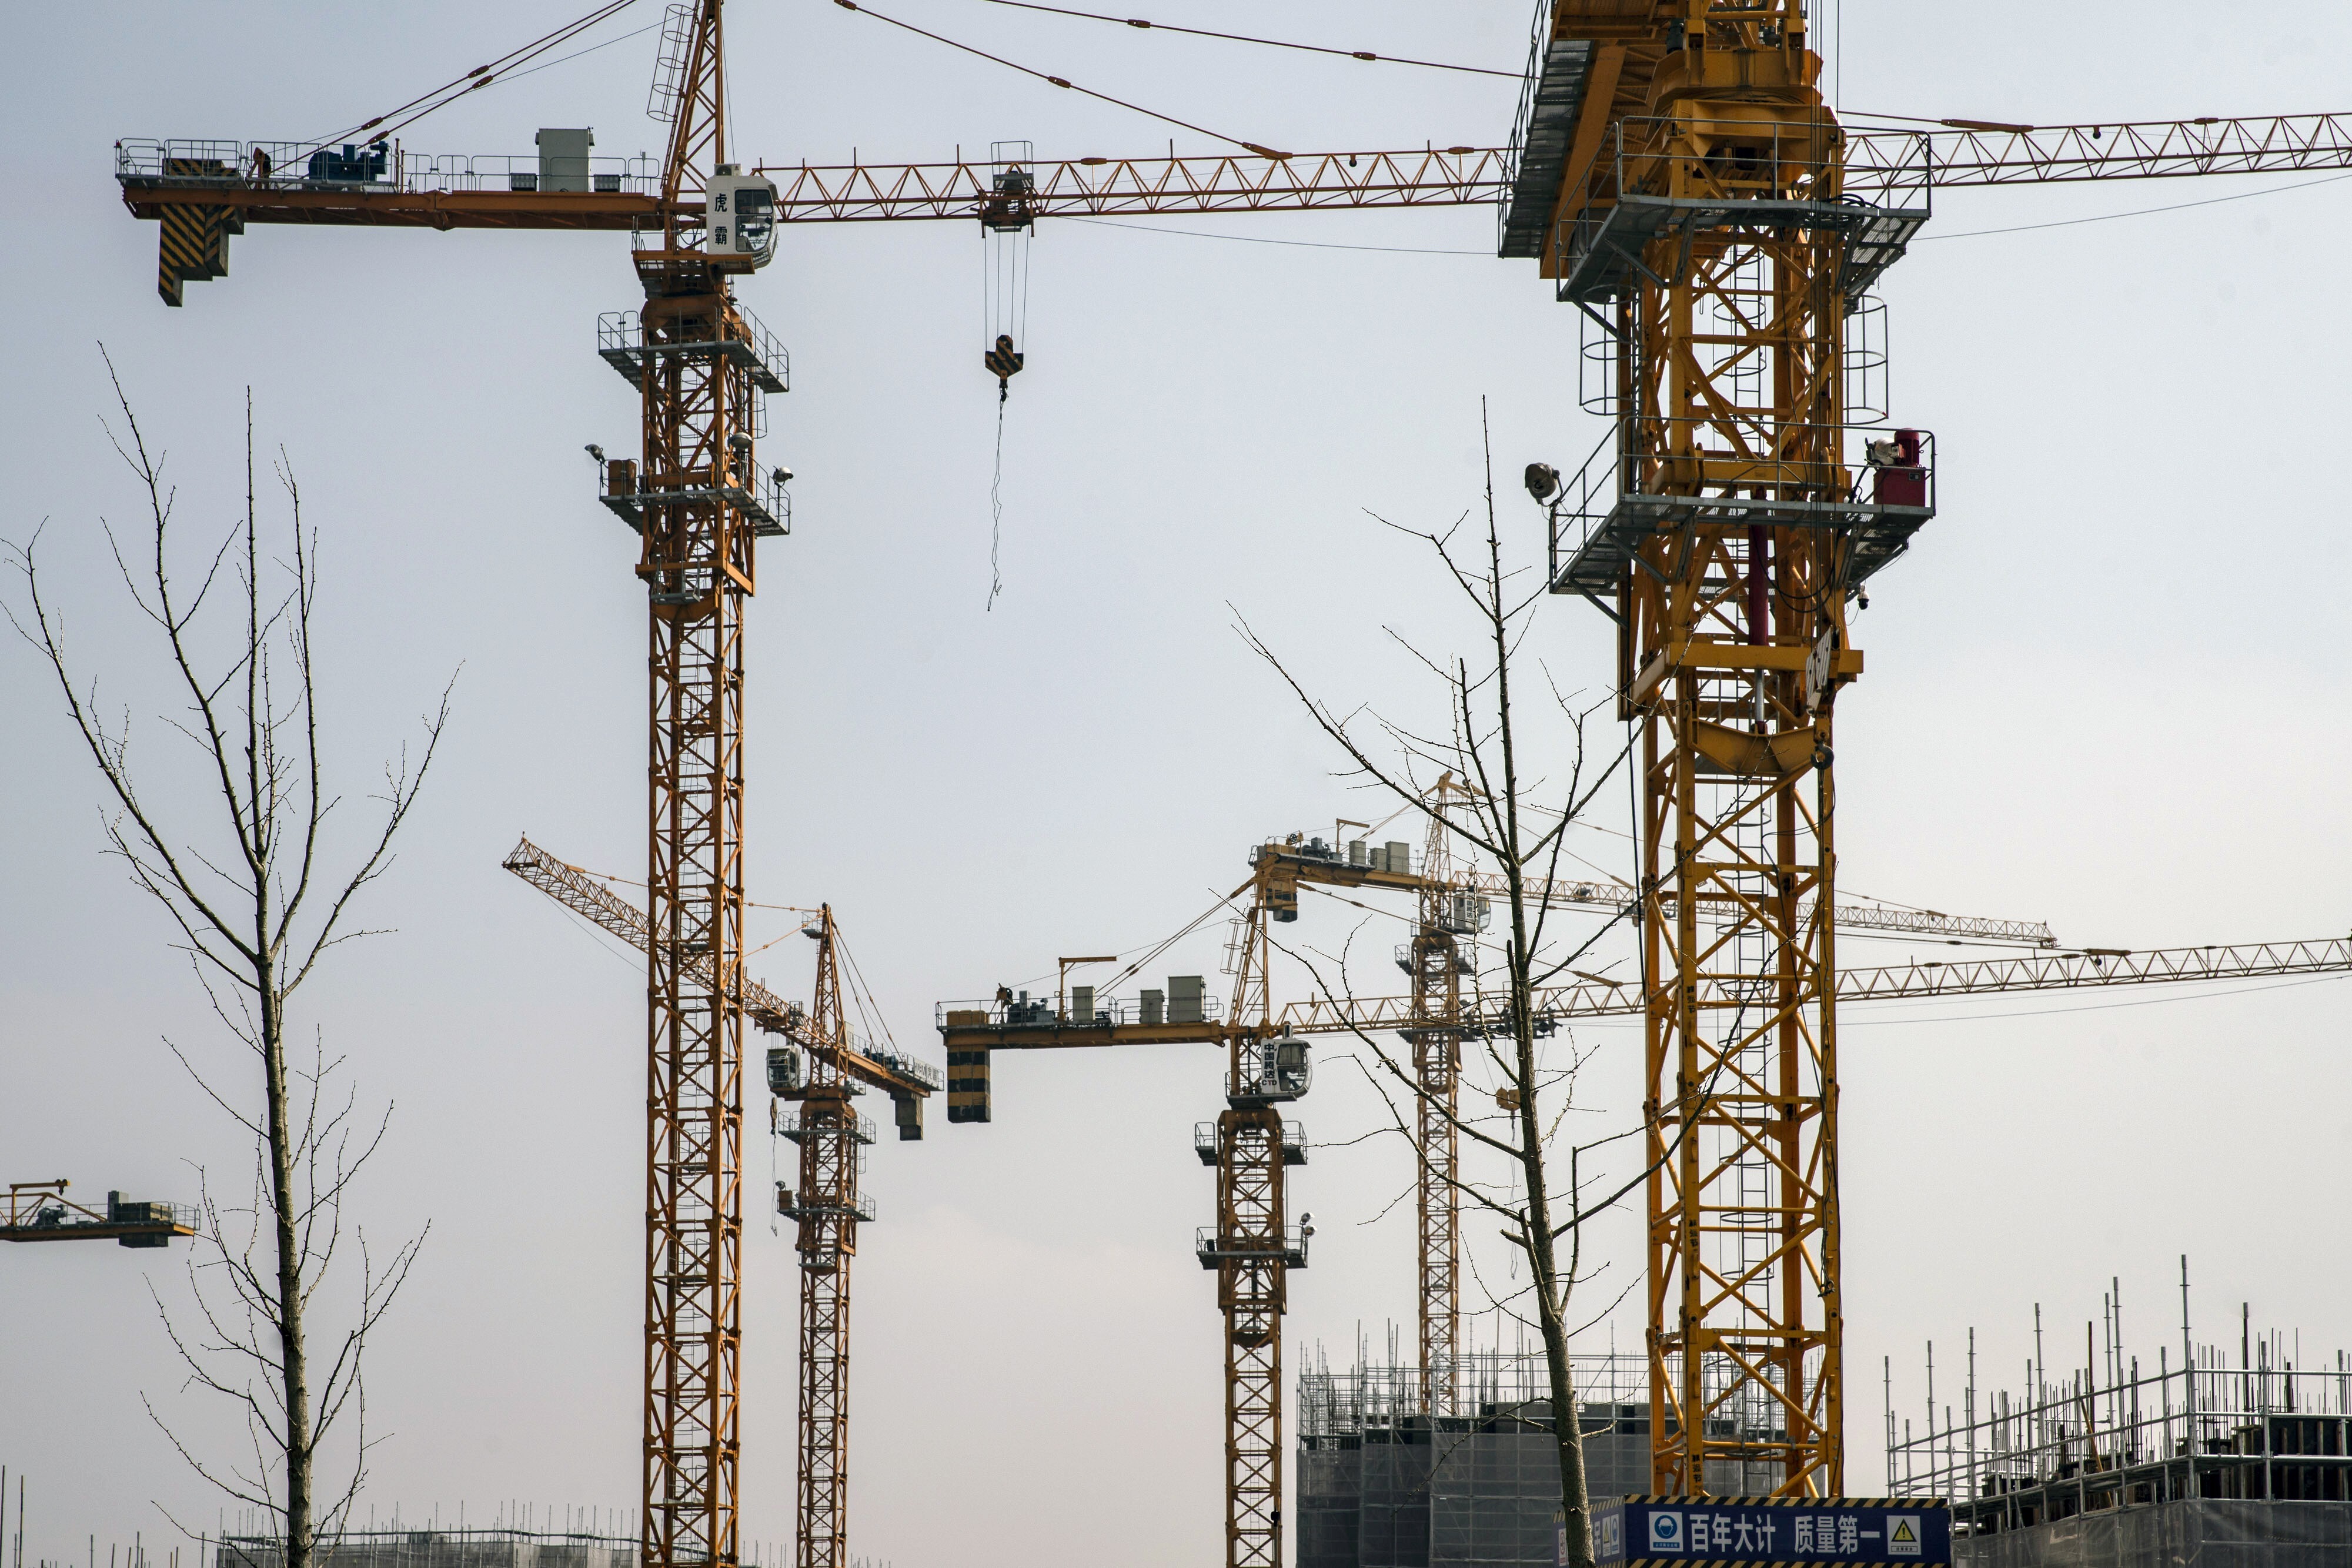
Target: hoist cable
1245, 38
996, 510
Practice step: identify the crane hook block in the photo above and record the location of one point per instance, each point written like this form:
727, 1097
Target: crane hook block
1004, 363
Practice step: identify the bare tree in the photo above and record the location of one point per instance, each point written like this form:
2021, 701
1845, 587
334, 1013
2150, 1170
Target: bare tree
1492, 798
242, 869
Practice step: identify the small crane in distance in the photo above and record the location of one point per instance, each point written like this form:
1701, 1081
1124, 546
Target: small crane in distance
40, 1211
820, 1064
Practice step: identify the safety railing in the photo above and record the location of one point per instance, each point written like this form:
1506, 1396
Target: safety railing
621, 343
897, 1060
42, 1206
1395, 856
790, 1205
1212, 1248
1738, 457
801, 1128
1663, 176
309, 165
1461, 958
1294, 1143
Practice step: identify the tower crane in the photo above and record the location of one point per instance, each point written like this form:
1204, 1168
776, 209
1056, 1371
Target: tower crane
1671, 160
40, 1211
821, 1066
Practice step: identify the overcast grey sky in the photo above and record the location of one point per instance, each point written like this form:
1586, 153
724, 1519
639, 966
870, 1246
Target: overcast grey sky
2105, 690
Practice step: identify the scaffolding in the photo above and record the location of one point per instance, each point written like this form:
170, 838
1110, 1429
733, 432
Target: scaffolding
2223, 1442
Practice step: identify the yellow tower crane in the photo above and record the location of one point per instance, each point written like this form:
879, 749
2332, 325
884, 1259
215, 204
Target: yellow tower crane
1675, 170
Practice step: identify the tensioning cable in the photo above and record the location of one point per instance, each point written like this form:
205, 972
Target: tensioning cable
1245, 38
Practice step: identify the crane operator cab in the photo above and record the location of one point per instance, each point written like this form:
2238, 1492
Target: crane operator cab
740, 218
1273, 1070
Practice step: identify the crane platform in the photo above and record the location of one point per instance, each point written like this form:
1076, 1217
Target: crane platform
621, 344
1294, 1143
1605, 514
1212, 1249
39, 1211
1603, 244
791, 1206
768, 509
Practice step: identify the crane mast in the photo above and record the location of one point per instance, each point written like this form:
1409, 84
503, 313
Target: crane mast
827, 1206
699, 418
1436, 964
1703, 223
1254, 1251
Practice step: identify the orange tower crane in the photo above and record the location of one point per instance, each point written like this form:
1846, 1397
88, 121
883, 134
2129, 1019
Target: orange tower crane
823, 1065
698, 502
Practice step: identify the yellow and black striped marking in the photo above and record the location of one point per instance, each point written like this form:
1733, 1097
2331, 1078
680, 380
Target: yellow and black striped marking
968, 1097
194, 245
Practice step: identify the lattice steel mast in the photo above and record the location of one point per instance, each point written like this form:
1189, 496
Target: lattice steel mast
1437, 963
699, 418
827, 1206
1729, 521
1254, 1250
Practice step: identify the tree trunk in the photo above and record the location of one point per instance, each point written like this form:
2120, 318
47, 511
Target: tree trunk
299, 1545
1568, 1426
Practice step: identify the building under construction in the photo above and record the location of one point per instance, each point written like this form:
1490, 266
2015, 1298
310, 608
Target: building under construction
1384, 1483
438, 1545
2203, 1455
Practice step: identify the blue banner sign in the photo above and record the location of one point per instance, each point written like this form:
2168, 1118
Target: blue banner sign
1687, 1532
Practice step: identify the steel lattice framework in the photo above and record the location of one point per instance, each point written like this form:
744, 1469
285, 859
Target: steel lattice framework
1436, 963
1252, 1256
826, 1207
1709, 233
696, 564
